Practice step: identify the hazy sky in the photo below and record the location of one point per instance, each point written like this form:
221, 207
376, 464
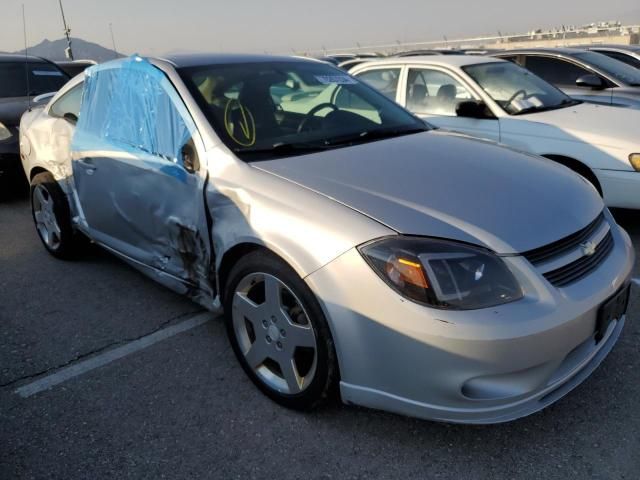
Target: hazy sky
160, 26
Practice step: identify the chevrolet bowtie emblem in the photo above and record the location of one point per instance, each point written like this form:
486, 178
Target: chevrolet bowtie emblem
588, 248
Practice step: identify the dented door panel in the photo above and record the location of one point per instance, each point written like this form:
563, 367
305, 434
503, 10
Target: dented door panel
135, 192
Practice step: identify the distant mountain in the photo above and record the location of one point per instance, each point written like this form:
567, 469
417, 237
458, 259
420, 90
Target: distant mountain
82, 50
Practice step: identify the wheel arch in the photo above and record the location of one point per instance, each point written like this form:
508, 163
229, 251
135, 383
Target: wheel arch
234, 254
37, 170
230, 258
578, 167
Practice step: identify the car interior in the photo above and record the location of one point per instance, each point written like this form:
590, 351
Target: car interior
434, 92
266, 108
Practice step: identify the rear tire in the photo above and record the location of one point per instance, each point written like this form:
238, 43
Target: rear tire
51, 215
279, 333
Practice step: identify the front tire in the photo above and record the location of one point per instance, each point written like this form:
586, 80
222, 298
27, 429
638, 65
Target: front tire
51, 216
279, 333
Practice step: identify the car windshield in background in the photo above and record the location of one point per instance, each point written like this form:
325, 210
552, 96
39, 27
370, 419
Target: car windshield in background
617, 69
43, 78
265, 110
516, 89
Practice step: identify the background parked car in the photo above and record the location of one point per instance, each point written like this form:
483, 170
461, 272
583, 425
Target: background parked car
491, 98
15, 71
629, 54
342, 59
585, 75
422, 52
74, 67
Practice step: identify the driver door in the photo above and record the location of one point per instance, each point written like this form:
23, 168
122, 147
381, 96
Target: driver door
137, 199
433, 94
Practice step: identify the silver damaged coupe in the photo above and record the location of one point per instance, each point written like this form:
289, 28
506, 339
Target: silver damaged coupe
350, 245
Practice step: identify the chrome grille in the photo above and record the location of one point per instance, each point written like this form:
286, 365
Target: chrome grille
574, 271
566, 260
564, 245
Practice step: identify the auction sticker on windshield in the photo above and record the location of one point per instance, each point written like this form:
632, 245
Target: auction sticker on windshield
336, 79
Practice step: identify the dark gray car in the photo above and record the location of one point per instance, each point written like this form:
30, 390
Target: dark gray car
584, 75
629, 54
21, 79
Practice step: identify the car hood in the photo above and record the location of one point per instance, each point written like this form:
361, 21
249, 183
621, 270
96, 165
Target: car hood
11, 109
590, 123
450, 186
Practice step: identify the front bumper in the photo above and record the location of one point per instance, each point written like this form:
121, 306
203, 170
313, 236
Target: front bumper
484, 366
621, 188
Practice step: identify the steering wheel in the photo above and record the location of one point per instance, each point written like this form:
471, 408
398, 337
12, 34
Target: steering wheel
313, 111
515, 95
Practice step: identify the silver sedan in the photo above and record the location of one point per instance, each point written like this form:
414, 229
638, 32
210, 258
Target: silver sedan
350, 245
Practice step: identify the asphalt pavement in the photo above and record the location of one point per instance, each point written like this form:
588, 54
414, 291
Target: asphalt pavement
105, 374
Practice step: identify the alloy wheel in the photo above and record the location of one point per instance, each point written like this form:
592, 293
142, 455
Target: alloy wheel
45, 217
274, 333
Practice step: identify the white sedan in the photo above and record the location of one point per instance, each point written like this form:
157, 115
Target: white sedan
504, 102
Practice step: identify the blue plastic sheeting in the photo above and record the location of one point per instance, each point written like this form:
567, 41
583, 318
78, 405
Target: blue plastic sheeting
130, 106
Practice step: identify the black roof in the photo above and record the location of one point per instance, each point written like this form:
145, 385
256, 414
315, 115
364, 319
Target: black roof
628, 48
198, 59
12, 57
557, 50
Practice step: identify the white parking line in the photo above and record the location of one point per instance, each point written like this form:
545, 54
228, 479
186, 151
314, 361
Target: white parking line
92, 363
636, 281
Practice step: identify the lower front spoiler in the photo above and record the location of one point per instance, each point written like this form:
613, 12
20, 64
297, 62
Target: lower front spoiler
545, 396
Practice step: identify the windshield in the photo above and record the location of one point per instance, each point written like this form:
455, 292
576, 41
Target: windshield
617, 69
516, 89
43, 78
268, 109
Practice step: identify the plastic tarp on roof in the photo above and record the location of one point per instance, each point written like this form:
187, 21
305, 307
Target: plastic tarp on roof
129, 106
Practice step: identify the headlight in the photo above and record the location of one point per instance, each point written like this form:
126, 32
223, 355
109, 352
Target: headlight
634, 158
442, 274
4, 132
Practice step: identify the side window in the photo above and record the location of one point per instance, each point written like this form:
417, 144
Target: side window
68, 103
434, 92
629, 60
385, 80
134, 108
555, 71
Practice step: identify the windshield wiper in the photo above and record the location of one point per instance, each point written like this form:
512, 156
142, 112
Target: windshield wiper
283, 149
346, 140
372, 135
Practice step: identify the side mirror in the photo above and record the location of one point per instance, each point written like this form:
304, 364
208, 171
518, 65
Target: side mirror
292, 84
71, 118
591, 81
190, 160
472, 109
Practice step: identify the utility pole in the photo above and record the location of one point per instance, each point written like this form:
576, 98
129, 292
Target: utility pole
113, 40
67, 32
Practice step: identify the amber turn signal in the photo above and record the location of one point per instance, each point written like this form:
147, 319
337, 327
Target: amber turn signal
403, 271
